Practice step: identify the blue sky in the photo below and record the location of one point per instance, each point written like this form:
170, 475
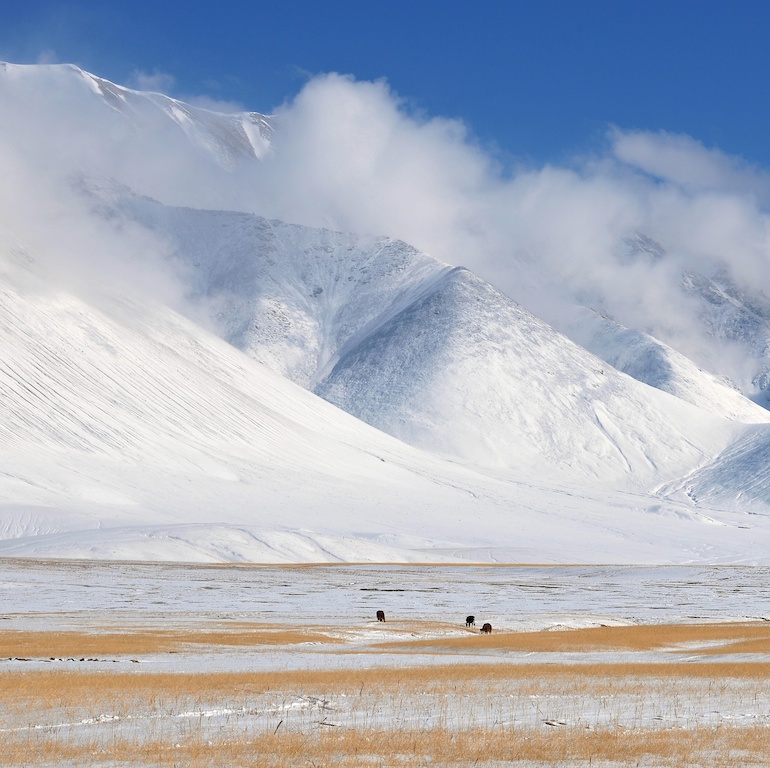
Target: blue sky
539, 80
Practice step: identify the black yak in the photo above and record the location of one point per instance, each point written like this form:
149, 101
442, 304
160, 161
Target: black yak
470, 621
380, 615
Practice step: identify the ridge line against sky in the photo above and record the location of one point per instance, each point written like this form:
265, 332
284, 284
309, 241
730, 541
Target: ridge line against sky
539, 82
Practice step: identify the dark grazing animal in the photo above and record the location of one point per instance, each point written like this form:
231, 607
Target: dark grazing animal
470, 621
487, 629
380, 615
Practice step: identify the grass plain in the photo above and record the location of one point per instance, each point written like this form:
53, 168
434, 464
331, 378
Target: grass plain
177, 665
481, 704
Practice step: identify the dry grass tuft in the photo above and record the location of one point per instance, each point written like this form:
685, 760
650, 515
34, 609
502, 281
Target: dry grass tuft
158, 718
701, 638
445, 714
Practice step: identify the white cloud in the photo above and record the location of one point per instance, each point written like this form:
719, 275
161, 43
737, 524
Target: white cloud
350, 155
155, 82
684, 161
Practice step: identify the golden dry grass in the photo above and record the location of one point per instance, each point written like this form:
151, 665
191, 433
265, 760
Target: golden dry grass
708, 638
35, 700
40, 687
713, 747
26, 644
701, 638
48, 697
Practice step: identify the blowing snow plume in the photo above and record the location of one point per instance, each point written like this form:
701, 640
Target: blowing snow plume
69, 140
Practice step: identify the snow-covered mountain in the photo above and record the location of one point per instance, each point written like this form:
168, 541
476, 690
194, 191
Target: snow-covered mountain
118, 415
292, 297
466, 371
473, 428
739, 319
433, 355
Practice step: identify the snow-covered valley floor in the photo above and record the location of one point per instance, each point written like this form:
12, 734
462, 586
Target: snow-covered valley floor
168, 664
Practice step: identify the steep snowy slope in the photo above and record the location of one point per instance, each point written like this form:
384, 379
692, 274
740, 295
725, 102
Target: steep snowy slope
648, 360
723, 329
122, 416
737, 479
467, 372
740, 321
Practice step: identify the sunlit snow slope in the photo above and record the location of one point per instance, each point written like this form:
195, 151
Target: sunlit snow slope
122, 415
292, 297
648, 360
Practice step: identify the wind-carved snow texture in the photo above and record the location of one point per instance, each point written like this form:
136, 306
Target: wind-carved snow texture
737, 479
467, 372
292, 297
130, 416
